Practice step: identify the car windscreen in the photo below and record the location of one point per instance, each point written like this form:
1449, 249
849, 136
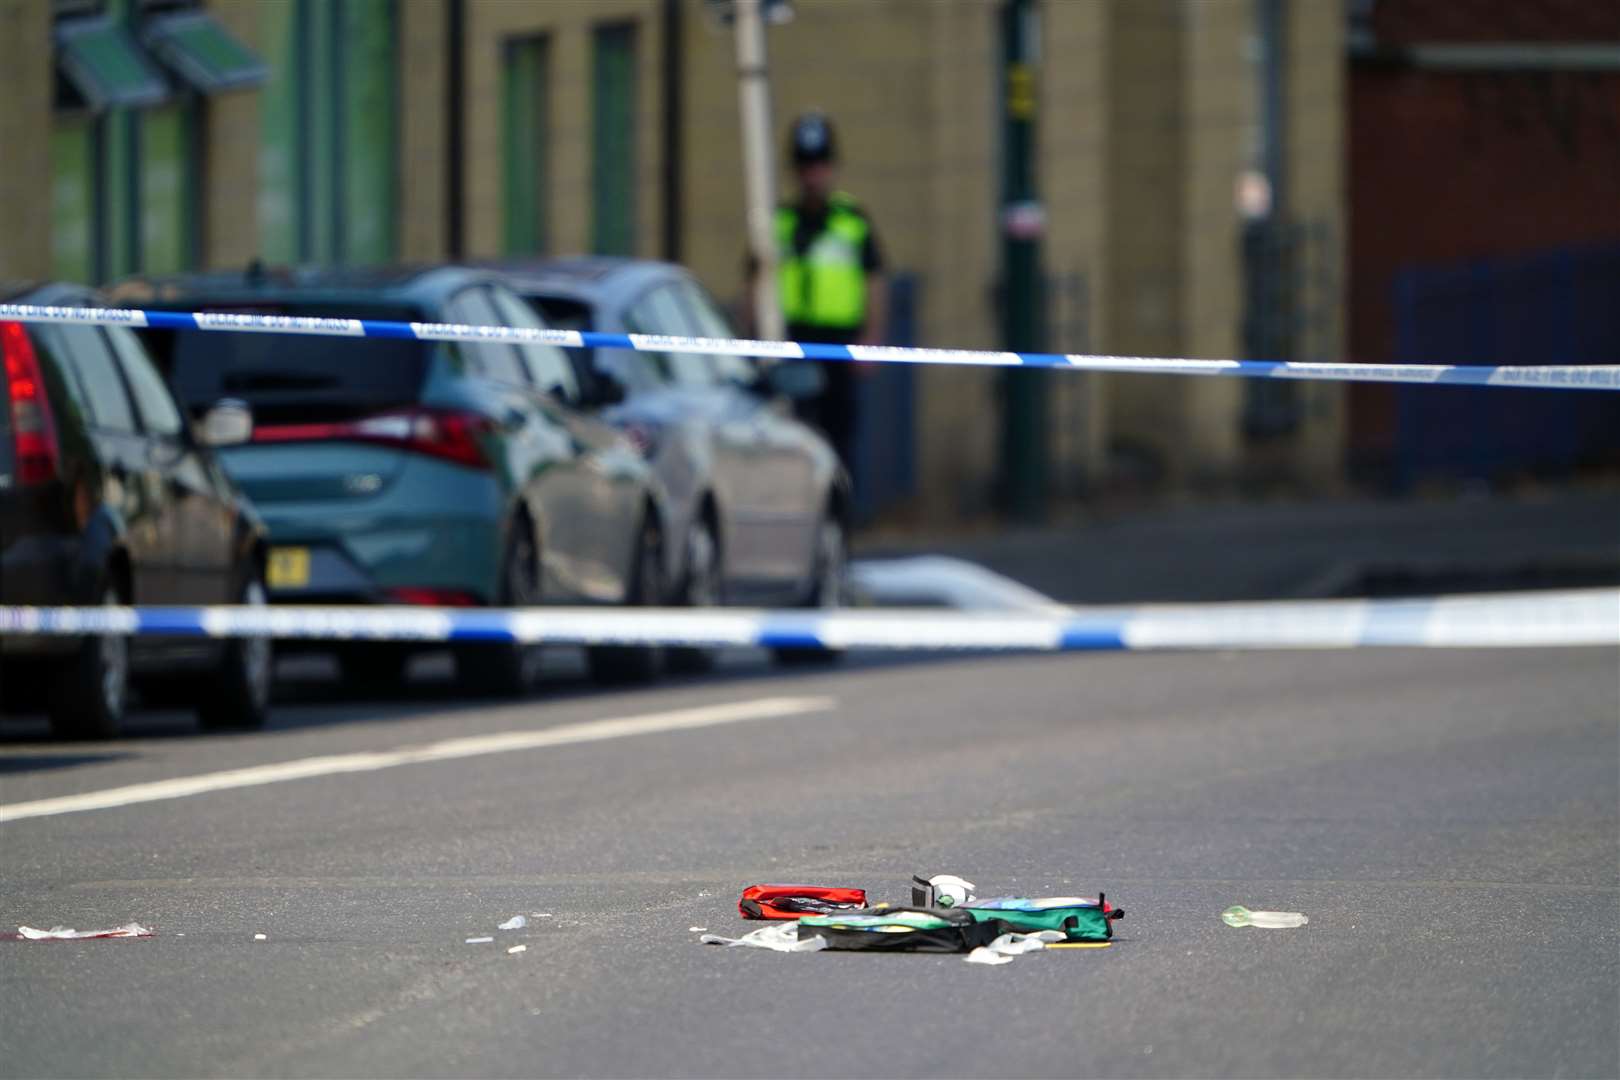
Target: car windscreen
288, 378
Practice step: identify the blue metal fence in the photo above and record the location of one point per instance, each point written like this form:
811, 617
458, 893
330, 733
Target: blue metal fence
1562, 307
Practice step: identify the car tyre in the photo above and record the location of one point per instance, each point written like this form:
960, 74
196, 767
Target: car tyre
620, 665
237, 696
702, 586
89, 690
501, 668
827, 585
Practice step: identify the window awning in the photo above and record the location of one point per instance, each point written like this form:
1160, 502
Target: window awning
197, 48
102, 62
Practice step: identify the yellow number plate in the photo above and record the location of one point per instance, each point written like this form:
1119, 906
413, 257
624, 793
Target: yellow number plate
288, 568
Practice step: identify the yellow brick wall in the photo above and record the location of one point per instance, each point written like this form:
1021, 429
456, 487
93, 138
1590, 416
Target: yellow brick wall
1316, 88
1145, 154
422, 233
1219, 105
230, 236
957, 410
570, 24
25, 145
1072, 140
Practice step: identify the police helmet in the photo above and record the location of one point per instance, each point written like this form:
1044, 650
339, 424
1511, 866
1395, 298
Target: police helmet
812, 139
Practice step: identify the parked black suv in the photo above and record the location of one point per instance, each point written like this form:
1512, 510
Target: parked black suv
108, 496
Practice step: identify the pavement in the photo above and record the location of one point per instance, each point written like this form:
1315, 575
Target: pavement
1553, 538
1447, 819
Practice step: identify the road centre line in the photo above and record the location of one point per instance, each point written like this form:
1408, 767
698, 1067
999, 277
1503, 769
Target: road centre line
445, 750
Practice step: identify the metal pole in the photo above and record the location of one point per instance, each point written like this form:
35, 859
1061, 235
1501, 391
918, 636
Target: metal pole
754, 97
455, 141
1023, 416
673, 150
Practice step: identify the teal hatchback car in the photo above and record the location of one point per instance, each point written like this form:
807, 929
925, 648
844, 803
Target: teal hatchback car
407, 472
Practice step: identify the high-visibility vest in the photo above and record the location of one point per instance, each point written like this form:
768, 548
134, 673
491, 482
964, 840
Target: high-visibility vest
825, 285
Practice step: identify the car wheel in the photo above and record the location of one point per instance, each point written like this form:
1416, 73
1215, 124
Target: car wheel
827, 584
500, 668
90, 689
237, 698
702, 586
623, 664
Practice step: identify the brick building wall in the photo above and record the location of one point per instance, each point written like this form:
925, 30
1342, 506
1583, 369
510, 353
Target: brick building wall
25, 120
1457, 164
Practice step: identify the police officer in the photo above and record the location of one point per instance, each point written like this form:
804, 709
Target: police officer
831, 275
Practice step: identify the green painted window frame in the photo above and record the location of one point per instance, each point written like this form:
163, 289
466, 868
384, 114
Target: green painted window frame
329, 152
613, 138
526, 144
166, 158
75, 240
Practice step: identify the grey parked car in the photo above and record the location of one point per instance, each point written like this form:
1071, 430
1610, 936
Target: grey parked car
759, 500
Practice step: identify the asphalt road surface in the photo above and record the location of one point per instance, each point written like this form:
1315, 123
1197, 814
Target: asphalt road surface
1448, 820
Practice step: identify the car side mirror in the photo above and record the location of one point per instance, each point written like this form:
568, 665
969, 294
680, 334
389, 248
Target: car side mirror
794, 379
228, 423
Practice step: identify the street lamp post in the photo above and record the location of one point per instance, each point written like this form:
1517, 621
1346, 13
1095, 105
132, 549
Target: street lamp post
754, 98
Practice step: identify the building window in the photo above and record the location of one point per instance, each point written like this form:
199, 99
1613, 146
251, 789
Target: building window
167, 240
526, 137
613, 140
328, 180
125, 159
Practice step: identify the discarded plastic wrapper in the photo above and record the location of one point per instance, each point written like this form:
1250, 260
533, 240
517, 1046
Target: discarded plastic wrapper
1238, 915
64, 933
778, 937
792, 901
516, 922
1004, 948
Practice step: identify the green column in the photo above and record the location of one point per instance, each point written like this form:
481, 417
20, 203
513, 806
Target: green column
1023, 414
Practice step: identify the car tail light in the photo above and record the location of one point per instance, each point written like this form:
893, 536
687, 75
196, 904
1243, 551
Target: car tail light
33, 429
449, 435
428, 597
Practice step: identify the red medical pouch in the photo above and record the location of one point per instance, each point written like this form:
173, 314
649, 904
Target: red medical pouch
792, 901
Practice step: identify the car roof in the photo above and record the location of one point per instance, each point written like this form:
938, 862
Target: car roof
417, 285
50, 292
591, 279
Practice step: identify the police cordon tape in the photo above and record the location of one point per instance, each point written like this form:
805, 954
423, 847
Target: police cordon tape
1548, 377
1507, 620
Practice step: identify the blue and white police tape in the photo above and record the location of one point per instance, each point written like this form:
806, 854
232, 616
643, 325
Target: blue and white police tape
1507, 620
1550, 377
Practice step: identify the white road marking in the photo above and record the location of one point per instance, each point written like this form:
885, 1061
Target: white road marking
445, 750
